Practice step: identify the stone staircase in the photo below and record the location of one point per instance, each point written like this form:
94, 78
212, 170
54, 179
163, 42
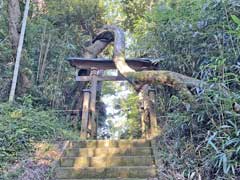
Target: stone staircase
107, 159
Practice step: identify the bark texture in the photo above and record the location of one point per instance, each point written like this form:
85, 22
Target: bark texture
138, 79
14, 18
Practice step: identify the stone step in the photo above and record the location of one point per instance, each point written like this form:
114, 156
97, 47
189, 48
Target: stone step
122, 151
109, 143
113, 172
103, 162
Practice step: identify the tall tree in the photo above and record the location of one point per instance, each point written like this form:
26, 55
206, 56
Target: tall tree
19, 52
14, 16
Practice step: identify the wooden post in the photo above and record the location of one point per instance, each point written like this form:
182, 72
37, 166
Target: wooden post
143, 125
85, 113
144, 113
153, 113
141, 107
89, 129
93, 103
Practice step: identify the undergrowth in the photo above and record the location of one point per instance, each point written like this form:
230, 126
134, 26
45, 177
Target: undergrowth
201, 140
21, 126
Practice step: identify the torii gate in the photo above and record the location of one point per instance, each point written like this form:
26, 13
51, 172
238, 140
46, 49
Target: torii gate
96, 65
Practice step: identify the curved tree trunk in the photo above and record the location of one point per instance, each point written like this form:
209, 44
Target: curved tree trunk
138, 79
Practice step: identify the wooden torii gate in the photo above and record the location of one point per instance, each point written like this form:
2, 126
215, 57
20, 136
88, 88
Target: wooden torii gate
97, 65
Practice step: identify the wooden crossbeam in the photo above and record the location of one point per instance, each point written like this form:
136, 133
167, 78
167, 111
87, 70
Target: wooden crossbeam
100, 78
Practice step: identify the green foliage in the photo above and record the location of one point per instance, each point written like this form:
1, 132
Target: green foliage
187, 35
134, 11
237, 21
199, 39
123, 116
108, 88
201, 138
130, 107
226, 143
23, 125
67, 26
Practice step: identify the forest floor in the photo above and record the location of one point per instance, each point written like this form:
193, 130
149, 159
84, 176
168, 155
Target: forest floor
37, 166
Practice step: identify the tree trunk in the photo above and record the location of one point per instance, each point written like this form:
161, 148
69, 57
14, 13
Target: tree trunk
138, 79
14, 17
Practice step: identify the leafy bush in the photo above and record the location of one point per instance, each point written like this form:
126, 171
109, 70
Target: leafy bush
199, 39
21, 126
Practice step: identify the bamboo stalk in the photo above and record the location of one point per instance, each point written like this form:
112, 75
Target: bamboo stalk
41, 53
44, 60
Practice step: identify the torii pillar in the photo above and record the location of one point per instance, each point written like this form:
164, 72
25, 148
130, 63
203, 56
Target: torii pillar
153, 113
85, 114
89, 124
92, 115
149, 126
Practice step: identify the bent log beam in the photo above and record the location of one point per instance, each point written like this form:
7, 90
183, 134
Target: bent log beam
173, 79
